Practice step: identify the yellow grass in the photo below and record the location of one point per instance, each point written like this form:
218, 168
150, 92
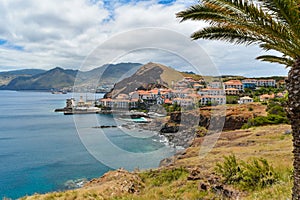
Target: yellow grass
268, 142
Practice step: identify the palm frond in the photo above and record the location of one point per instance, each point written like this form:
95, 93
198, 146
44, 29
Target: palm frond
248, 22
286, 11
224, 34
275, 59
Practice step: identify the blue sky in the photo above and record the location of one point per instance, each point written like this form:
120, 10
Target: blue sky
46, 34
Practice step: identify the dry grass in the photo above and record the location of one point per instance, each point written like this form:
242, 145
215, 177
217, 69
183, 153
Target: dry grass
268, 142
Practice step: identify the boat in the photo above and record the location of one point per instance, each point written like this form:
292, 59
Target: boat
83, 110
58, 92
81, 107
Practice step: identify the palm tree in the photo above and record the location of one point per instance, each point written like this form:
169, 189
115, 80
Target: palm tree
271, 24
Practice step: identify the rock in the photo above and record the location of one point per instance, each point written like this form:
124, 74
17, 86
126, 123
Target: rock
215, 185
167, 162
169, 128
202, 186
118, 181
195, 174
287, 132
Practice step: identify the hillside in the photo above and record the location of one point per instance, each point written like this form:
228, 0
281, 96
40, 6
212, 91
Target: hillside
151, 73
54, 78
187, 176
23, 72
7, 76
107, 74
58, 78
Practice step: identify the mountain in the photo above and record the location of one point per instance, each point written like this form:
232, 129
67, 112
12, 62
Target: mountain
151, 73
107, 74
31, 72
7, 76
58, 78
54, 78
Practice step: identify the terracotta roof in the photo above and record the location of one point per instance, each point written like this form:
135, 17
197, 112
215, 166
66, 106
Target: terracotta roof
233, 82
168, 101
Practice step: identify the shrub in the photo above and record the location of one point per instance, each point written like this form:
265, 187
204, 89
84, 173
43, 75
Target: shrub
229, 170
232, 99
159, 177
200, 131
265, 120
248, 176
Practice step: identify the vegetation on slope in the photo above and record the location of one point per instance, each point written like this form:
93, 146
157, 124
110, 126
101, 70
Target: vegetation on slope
190, 177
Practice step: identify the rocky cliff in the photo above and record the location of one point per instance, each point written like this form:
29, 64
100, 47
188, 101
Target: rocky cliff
180, 129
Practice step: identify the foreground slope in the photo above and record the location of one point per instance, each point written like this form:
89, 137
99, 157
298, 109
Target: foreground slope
184, 177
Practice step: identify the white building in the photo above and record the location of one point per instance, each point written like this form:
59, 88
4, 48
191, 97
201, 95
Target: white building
207, 99
232, 91
215, 84
266, 83
245, 99
211, 92
237, 84
119, 103
183, 102
251, 81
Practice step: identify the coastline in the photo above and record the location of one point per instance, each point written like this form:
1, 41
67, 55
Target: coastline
58, 155
197, 178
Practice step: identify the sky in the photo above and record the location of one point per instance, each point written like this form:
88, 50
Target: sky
83, 34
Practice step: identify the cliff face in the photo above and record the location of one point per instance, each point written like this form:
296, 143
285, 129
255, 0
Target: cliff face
180, 129
236, 115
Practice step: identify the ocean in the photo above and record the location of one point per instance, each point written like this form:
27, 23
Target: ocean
41, 150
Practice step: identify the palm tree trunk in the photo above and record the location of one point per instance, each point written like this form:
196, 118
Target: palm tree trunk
293, 87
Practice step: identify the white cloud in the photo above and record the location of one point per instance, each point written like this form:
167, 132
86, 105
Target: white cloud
63, 32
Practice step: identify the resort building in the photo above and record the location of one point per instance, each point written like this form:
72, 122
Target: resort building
237, 84
249, 83
215, 84
106, 102
183, 102
244, 100
214, 100
266, 83
232, 91
119, 103
198, 86
211, 92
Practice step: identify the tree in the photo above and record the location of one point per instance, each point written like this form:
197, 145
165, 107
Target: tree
271, 24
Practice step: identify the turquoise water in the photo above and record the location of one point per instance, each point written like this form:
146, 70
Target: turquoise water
40, 150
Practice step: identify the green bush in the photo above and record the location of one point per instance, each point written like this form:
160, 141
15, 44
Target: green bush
276, 106
159, 177
266, 120
232, 99
230, 170
248, 176
172, 108
200, 131
276, 114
